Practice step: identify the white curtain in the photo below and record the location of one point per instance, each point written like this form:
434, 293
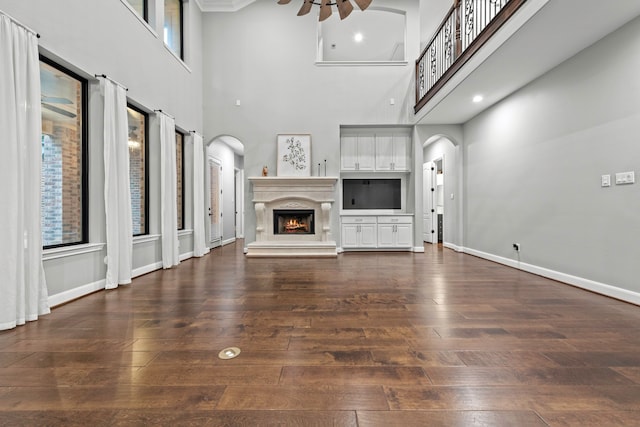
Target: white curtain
168, 190
117, 193
23, 289
199, 233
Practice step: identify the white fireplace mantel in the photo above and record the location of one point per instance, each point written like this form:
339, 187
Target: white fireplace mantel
269, 193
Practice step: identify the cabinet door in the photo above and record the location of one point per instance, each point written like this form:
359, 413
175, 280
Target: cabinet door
384, 153
348, 153
404, 235
401, 153
386, 235
366, 153
368, 236
349, 235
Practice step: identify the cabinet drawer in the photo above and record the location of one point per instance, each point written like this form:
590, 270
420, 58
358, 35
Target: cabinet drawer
395, 220
358, 219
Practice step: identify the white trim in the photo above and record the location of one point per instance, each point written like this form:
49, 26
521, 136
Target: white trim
67, 251
185, 232
140, 18
146, 238
452, 246
223, 5
228, 241
75, 293
146, 269
579, 282
180, 60
186, 256
418, 249
361, 63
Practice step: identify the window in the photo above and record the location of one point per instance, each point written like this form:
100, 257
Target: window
64, 179
140, 6
138, 169
173, 26
180, 178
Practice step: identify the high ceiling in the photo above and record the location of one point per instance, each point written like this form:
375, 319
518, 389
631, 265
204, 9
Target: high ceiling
223, 5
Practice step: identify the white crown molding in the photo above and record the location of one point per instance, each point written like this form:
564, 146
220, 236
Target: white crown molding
222, 5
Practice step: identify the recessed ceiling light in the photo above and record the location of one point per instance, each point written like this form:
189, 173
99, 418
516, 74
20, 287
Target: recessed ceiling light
477, 98
358, 37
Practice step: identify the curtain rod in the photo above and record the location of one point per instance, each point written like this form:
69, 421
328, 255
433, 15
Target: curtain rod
162, 112
104, 76
20, 24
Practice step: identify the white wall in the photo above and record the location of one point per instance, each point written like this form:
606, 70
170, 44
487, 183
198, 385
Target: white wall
533, 164
106, 37
264, 56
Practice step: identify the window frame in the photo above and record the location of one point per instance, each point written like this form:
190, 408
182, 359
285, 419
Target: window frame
181, 208
146, 166
181, 21
84, 146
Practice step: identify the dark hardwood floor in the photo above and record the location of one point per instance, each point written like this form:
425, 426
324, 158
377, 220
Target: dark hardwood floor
372, 339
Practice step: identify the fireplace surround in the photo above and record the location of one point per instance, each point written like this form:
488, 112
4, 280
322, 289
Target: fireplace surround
302, 199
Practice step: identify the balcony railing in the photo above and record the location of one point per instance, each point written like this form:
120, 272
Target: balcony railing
467, 26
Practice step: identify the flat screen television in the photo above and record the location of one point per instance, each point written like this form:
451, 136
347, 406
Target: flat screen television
371, 193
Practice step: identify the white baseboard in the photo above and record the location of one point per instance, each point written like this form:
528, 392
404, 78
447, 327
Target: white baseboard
146, 269
75, 293
579, 282
418, 249
452, 246
186, 256
228, 241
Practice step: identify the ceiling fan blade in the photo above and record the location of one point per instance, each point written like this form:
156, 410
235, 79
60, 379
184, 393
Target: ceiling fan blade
325, 10
55, 100
363, 4
344, 7
284, 1
58, 110
306, 7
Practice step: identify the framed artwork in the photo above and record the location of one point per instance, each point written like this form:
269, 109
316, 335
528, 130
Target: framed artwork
294, 155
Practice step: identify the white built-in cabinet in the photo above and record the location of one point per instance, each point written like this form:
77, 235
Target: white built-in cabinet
377, 232
392, 153
383, 153
359, 232
357, 153
395, 232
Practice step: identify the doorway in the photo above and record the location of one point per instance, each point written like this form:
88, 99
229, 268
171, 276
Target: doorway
215, 202
433, 201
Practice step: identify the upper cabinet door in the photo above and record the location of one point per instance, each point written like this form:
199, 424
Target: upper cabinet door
349, 153
384, 153
401, 153
366, 153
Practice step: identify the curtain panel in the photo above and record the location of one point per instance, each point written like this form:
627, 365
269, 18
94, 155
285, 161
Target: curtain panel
23, 289
117, 191
168, 190
200, 247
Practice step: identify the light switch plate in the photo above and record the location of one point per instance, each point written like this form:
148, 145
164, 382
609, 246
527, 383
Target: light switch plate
625, 178
606, 180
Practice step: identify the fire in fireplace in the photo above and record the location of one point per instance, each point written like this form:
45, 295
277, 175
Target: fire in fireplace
297, 221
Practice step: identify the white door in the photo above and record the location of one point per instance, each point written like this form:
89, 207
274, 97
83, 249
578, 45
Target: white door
428, 202
215, 201
404, 235
239, 202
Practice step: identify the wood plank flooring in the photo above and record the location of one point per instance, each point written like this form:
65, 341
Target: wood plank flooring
367, 339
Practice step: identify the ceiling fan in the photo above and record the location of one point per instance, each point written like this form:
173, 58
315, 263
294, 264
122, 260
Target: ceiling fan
344, 7
47, 102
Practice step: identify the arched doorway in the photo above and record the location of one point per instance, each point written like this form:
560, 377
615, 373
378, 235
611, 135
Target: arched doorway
224, 171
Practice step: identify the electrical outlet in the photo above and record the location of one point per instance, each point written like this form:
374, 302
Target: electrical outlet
516, 247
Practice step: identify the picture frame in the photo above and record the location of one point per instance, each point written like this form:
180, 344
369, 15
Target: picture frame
294, 154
